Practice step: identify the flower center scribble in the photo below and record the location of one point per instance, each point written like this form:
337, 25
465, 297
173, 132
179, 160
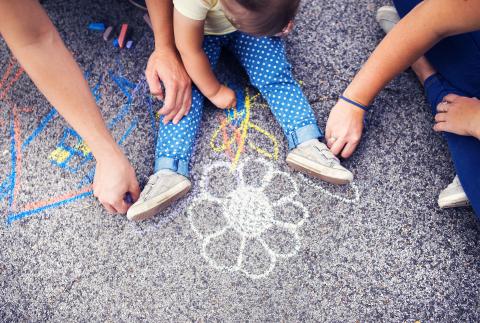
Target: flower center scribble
250, 212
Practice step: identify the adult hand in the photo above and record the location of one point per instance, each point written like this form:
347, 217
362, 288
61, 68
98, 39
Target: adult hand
225, 98
114, 178
344, 128
166, 66
459, 115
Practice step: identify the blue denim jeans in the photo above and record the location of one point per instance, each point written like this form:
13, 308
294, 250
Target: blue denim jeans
457, 61
266, 64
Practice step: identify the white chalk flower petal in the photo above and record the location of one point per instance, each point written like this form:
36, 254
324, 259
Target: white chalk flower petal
281, 187
257, 259
282, 239
290, 214
244, 231
222, 249
206, 215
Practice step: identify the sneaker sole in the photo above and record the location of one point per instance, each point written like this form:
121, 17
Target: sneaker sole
453, 204
159, 203
305, 166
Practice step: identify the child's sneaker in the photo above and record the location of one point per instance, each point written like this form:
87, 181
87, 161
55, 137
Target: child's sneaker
162, 189
315, 159
453, 196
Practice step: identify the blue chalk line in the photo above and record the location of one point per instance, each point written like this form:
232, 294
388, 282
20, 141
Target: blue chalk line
16, 217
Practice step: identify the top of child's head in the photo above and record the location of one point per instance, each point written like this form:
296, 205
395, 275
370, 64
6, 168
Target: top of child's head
260, 17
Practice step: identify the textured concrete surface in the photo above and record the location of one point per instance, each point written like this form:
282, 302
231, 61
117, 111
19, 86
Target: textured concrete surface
258, 243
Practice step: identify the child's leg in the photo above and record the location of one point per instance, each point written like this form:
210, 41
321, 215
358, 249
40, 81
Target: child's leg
173, 151
175, 142
266, 64
265, 61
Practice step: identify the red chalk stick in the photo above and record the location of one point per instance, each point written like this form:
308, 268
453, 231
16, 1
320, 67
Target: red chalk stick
123, 34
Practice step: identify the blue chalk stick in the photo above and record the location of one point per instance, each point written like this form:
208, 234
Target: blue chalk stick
115, 42
97, 26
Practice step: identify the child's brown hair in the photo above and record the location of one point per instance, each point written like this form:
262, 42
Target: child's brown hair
264, 18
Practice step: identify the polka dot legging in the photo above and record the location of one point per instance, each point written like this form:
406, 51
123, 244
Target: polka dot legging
266, 64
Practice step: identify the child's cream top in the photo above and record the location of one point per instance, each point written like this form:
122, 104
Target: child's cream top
209, 10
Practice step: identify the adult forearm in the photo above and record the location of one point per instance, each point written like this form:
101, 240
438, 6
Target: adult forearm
37, 45
414, 35
161, 15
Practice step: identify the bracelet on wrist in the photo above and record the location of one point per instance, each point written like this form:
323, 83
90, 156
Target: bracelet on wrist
358, 105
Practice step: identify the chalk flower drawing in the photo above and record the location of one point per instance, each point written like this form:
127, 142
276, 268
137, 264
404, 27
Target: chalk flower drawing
249, 212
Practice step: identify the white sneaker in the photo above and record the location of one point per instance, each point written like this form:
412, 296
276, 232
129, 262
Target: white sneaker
387, 17
453, 196
161, 190
317, 160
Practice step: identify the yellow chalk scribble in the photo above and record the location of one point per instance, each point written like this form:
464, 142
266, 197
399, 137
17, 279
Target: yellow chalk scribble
240, 135
59, 155
83, 148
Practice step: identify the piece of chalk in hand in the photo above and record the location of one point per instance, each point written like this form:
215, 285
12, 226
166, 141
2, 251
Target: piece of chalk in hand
128, 198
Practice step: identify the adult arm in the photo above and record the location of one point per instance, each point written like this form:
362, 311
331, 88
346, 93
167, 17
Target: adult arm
415, 34
165, 65
36, 44
189, 40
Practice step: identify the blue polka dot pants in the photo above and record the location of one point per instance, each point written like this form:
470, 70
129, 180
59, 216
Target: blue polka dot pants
266, 64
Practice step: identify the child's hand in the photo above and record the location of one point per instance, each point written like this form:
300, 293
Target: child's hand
286, 30
225, 98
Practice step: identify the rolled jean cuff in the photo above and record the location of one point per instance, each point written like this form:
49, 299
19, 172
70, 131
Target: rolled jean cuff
177, 165
303, 134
